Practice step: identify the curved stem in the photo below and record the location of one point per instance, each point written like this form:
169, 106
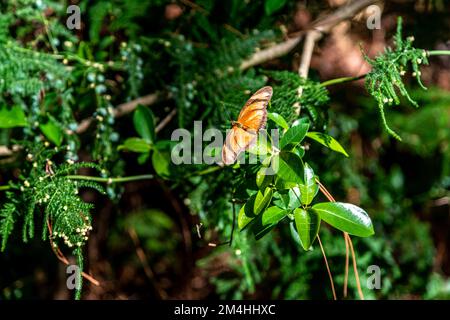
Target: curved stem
111, 180
438, 53
342, 80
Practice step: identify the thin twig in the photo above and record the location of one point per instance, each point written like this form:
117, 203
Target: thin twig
64, 260
348, 242
164, 122
125, 108
355, 267
346, 265
328, 268
308, 48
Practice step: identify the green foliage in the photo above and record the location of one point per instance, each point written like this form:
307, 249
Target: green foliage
52, 79
46, 192
295, 93
388, 70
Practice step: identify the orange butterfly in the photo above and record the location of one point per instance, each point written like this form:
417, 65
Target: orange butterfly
244, 132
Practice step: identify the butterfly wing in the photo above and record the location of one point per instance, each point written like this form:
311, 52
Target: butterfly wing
253, 115
237, 140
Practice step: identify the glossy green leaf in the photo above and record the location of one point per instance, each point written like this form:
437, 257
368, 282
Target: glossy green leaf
267, 221
144, 123
299, 151
294, 233
254, 206
309, 189
293, 136
288, 167
11, 117
245, 216
307, 224
278, 119
264, 178
52, 131
281, 184
294, 198
272, 6
262, 200
327, 141
135, 145
345, 217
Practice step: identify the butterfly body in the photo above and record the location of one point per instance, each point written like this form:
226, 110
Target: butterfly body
244, 131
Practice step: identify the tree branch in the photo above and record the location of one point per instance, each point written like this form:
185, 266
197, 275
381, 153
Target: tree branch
322, 25
125, 108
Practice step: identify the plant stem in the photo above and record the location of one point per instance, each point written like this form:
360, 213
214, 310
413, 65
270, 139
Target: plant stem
112, 180
341, 80
439, 53
4, 188
204, 172
349, 79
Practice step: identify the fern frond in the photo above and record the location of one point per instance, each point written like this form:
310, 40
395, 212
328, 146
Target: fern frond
7, 221
385, 79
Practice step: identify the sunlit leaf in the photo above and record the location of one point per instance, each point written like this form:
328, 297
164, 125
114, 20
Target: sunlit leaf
327, 141
309, 189
52, 131
278, 119
293, 136
135, 145
307, 224
345, 217
11, 117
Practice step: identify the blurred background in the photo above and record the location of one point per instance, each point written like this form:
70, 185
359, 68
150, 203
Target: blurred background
150, 238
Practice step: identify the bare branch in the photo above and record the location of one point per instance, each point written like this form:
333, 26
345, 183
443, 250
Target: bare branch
321, 25
166, 120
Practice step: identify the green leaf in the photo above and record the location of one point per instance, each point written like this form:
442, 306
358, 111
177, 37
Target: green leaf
271, 6
12, 117
345, 217
267, 221
281, 184
262, 200
135, 145
293, 136
144, 123
327, 141
263, 179
278, 119
161, 162
245, 215
307, 224
308, 190
288, 166
254, 206
294, 198
52, 131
